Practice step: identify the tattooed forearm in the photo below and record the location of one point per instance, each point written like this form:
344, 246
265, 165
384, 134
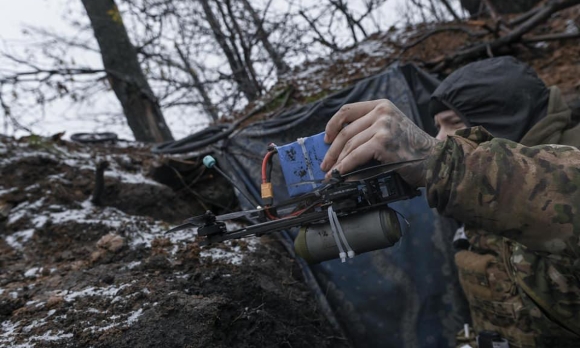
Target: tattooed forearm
408, 142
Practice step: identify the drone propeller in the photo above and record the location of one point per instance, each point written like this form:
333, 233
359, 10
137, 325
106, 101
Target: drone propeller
180, 227
377, 170
357, 174
196, 221
237, 214
209, 218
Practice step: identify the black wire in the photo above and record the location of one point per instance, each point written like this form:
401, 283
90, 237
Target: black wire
270, 167
194, 141
233, 183
207, 136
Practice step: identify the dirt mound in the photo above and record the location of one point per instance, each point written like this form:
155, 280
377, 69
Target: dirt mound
555, 61
73, 274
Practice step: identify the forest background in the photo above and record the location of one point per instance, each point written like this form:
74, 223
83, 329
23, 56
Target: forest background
188, 63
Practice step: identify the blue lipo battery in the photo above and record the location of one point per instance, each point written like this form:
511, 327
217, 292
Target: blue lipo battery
300, 162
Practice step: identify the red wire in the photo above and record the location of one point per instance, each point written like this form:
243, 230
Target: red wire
265, 180
270, 216
265, 165
297, 213
267, 157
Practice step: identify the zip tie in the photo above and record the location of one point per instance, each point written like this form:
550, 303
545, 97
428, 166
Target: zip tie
342, 235
403, 217
300, 142
341, 253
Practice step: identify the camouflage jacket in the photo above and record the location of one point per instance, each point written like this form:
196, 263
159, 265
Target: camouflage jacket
528, 201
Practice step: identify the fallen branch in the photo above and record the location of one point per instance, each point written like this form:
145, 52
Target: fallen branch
514, 36
524, 16
551, 37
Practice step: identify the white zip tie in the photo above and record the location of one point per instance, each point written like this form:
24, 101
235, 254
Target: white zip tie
337, 230
300, 142
349, 250
341, 252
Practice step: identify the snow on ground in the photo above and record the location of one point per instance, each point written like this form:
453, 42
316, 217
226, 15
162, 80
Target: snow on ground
233, 254
16, 239
36, 213
9, 330
141, 230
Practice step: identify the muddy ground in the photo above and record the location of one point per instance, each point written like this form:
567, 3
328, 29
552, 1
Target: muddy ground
76, 274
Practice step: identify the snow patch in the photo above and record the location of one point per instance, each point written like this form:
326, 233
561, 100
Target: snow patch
233, 254
110, 291
571, 27
39, 221
5, 191
17, 239
130, 178
9, 331
134, 316
23, 208
48, 336
34, 324
31, 273
133, 264
32, 187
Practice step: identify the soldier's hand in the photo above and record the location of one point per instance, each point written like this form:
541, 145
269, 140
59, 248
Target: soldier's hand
376, 130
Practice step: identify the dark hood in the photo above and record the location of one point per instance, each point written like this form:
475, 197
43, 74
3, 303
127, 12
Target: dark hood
501, 94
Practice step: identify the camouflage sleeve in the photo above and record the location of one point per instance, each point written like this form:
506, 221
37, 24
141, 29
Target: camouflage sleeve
528, 194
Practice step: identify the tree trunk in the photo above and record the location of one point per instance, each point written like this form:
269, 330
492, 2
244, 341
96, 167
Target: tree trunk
140, 106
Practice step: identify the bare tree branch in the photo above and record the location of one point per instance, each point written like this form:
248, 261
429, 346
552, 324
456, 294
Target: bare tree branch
278, 61
320, 38
207, 104
451, 10
239, 72
551, 37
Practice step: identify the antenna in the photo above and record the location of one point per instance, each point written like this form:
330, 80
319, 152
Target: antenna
210, 162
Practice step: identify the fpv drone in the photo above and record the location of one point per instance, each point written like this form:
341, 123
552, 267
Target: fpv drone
344, 195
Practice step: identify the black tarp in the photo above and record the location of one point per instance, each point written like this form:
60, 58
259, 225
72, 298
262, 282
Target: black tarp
405, 296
